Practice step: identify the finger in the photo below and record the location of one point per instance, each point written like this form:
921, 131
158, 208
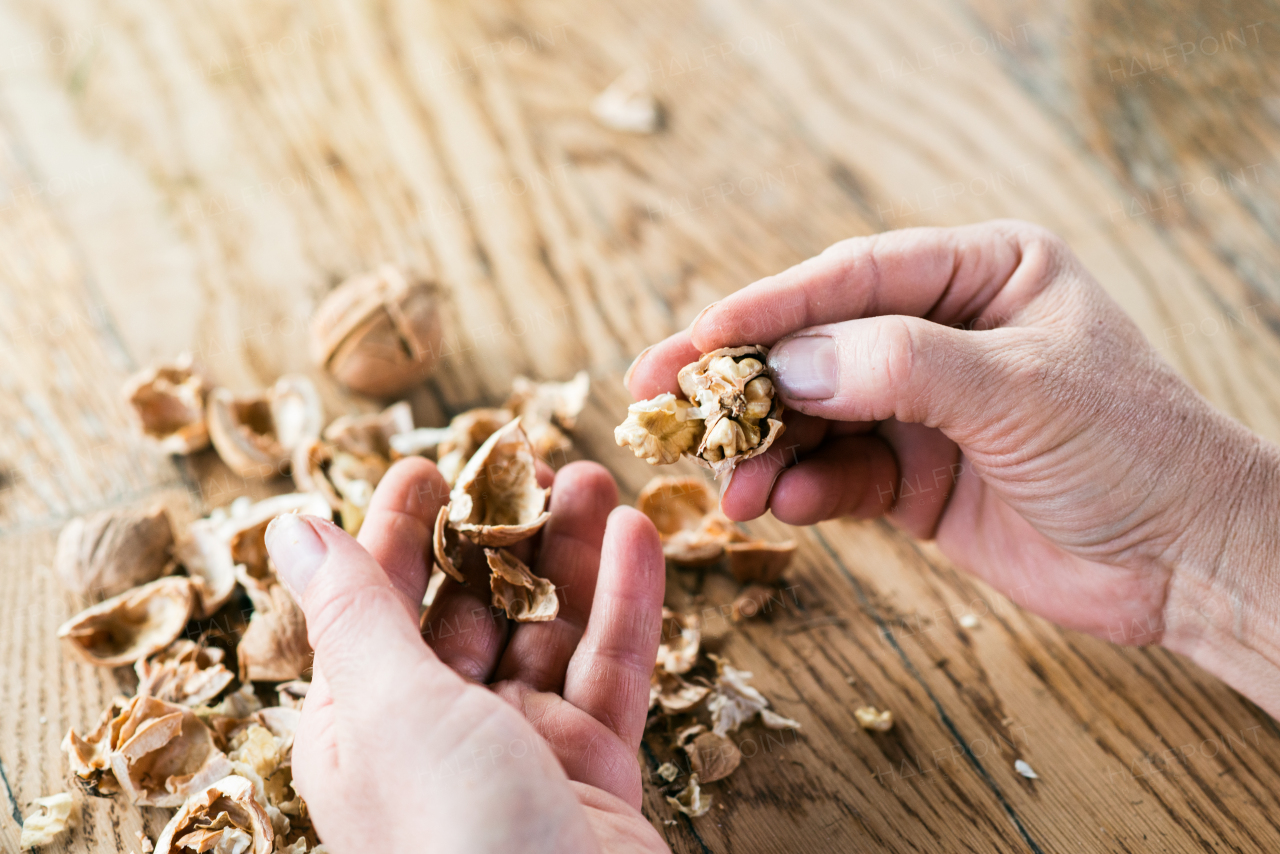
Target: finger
745, 495
910, 369
608, 675
538, 653
654, 370
398, 525
928, 466
356, 620
462, 627
982, 272
852, 477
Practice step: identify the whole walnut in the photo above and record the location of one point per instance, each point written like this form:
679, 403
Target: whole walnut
378, 333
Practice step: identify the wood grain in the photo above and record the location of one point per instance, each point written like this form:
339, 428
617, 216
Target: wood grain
197, 176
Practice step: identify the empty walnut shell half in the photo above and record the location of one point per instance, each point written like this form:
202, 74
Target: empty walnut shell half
496, 500
254, 434
168, 402
758, 560
234, 535
107, 553
133, 625
684, 510
525, 597
224, 817
378, 333
712, 757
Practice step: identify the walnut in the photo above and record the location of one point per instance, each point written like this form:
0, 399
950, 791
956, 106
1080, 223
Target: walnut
681, 636
496, 500
737, 402
547, 410
661, 429
712, 757
225, 817
157, 753
628, 104
673, 694
132, 625
378, 333
871, 718
254, 434
234, 534
168, 404
184, 673
690, 801
107, 553
54, 815
525, 597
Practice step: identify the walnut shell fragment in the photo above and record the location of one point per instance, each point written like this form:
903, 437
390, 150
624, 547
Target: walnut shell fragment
235, 534
759, 561
184, 673
497, 500
548, 410
378, 333
525, 597
628, 104
255, 433
869, 717
712, 757
168, 404
681, 637
274, 647
133, 625
684, 510
734, 701
157, 753
224, 817
107, 553
54, 816
446, 544
673, 694
690, 800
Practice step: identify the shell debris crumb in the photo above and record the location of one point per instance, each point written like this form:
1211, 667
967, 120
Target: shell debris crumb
1025, 770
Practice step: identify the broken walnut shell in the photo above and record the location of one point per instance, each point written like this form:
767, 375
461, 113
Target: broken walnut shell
184, 673
547, 410
223, 817
255, 433
496, 500
274, 647
673, 693
524, 597
446, 545
133, 625
681, 638
168, 404
759, 561
684, 510
712, 757
107, 553
378, 333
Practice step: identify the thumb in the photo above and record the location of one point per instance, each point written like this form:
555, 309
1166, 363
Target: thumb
357, 623
877, 368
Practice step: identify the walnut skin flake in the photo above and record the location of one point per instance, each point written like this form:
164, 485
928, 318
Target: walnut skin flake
712, 757
224, 817
525, 597
674, 694
681, 636
107, 553
184, 673
168, 403
660, 430
871, 718
496, 500
133, 625
54, 815
691, 801
734, 701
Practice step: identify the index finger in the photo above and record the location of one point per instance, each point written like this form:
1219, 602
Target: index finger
948, 275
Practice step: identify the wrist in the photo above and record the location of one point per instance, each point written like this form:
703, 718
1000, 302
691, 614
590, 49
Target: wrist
1222, 606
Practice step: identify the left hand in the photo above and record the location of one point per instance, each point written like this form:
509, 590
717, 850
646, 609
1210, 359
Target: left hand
498, 736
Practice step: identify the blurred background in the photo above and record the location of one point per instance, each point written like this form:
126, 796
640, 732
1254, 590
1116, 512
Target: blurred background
196, 176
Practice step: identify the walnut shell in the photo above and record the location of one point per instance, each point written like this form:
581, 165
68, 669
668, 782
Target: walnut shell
254, 434
107, 553
753, 561
547, 410
684, 510
230, 535
525, 597
133, 625
673, 694
681, 637
378, 333
274, 647
184, 673
223, 817
712, 757
496, 500
168, 403
446, 545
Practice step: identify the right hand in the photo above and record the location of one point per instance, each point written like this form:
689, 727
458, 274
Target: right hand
977, 385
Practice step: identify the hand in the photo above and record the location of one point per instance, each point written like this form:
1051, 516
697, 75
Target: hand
976, 384
518, 737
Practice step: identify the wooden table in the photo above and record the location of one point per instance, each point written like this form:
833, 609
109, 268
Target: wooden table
196, 175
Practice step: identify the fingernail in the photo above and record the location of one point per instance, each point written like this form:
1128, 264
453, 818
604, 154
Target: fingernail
296, 550
626, 378
805, 368
700, 315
